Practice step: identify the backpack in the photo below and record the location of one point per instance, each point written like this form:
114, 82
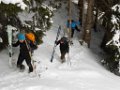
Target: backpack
64, 46
64, 40
31, 39
30, 36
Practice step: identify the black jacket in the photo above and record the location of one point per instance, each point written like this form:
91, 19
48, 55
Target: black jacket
24, 47
64, 45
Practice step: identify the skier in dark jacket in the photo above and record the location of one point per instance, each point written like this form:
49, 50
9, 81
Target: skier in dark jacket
64, 47
24, 54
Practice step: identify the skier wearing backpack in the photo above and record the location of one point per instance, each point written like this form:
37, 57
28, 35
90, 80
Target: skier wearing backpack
25, 53
64, 47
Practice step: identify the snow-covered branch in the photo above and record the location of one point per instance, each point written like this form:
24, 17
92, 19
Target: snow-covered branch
19, 3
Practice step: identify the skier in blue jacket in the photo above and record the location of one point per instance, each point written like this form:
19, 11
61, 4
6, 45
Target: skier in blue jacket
73, 25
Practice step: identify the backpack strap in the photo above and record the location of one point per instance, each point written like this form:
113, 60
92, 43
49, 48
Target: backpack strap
28, 47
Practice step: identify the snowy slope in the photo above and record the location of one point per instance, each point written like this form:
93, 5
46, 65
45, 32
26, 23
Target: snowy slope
84, 72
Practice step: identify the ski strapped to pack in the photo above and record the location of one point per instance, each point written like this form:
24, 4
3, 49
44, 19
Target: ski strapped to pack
30, 54
58, 33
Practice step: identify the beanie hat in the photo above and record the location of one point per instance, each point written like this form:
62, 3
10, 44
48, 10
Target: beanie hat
21, 36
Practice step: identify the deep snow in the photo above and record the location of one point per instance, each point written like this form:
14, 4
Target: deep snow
84, 72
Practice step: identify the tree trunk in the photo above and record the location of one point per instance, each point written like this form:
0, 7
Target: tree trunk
69, 15
96, 20
88, 23
81, 6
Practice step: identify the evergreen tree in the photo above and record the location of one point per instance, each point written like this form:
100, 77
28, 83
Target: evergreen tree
113, 47
10, 14
106, 15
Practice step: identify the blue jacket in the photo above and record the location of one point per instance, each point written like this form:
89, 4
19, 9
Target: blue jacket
73, 24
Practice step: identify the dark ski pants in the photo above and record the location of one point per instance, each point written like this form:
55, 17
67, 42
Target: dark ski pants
72, 31
63, 53
21, 58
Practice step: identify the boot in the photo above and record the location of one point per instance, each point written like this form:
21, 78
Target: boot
30, 68
21, 67
62, 58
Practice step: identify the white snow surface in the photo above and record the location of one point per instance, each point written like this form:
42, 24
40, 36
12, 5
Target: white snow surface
84, 72
19, 3
75, 1
115, 19
115, 7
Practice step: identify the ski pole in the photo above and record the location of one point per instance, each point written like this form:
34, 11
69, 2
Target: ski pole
68, 59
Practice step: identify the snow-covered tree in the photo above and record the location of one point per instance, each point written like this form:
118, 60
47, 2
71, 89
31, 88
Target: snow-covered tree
33, 15
114, 44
